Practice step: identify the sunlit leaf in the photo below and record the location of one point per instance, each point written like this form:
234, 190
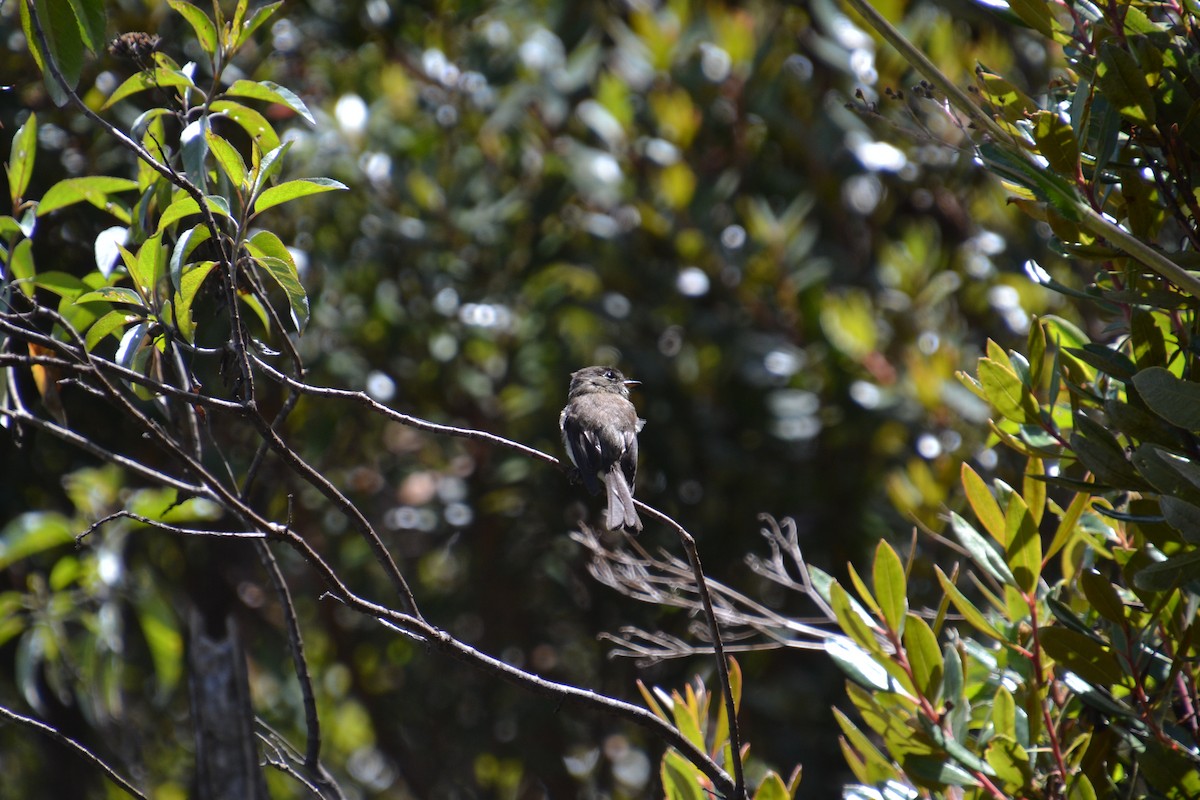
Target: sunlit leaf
21, 158
271, 93
292, 190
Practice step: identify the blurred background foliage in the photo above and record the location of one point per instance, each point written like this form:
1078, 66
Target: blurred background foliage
747, 207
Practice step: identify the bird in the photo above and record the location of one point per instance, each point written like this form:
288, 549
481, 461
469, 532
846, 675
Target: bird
599, 429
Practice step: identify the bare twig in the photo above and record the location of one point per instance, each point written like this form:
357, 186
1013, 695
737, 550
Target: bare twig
123, 783
714, 630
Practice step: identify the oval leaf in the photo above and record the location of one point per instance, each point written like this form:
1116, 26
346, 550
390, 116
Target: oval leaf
292, 190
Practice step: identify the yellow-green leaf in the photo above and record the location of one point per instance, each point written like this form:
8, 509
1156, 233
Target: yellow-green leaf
891, 587
292, 190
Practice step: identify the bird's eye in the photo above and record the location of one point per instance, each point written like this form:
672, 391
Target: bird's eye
609, 374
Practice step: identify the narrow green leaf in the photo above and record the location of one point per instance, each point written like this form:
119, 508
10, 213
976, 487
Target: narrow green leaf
965, 607
1024, 550
687, 723
152, 266
851, 621
292, 190
230, 160
1056, 141
185, 206
877, 765
1036, 345
20, 266
1007, 394
89, 15
1081, 654
206, 32
982, 554
986, 509
188, 241
61, 283
1068, 525
1166, 575
271, 93
160, 631
62, 34
1004, 713
252, 122
891, 586
924, 657
772, 787
1102, 595
31, 533
21, 158
1182, 516
1177, 401
192, 278
1124, 84
157, 78
1011, 764
285, 275
112, 294
1033, 489
256, 21
110, 324
94, 189
679, 778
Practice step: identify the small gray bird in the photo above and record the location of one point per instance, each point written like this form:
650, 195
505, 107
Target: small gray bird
599, 429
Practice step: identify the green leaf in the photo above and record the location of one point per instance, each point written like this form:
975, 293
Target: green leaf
285, 275
924, 657
982, 554
151, 271
1182, 516
1102, 595
89, 14
271, 254
206, 32
61, 283
252, 122
851, 621
271, 93
1103, 455
1081, 654
772, 787
1124, 84
292, 190
1024, 548
1166, 575
891, 586
1045, 185
1007, 393
230, 160
157, 78
192, 278
986, 509
1109, 361
1068, 524
94, 189
31, 533
968, 609
185, 206
1177, 401
112, 294
62, 34
876, 765
111, 324
260, 16
1056, 141
21, 158
20, 266
188, 241
1011, 763
679, 778
161, 632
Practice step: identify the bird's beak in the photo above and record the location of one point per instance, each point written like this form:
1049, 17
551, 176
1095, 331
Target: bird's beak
633, 383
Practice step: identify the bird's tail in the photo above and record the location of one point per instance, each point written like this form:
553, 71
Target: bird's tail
621, 513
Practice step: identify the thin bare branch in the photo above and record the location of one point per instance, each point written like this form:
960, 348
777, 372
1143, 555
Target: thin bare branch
123, 783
